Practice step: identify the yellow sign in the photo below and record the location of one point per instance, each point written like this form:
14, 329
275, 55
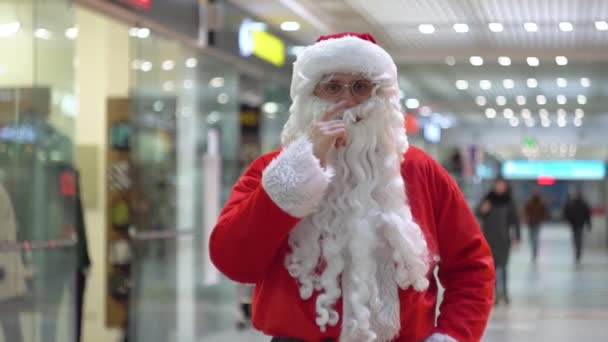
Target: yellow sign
268, 47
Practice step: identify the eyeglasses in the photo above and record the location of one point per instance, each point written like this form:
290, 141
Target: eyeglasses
358, 88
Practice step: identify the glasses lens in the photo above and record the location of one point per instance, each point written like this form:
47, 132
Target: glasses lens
332, 88
362, 88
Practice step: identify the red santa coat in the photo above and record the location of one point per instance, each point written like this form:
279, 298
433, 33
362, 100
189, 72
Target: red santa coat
249, 245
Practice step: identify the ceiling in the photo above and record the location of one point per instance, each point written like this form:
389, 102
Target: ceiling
430, 65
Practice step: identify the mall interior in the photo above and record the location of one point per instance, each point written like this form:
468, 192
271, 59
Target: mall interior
124, 125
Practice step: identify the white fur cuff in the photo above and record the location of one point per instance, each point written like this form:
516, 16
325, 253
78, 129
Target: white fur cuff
437, 337
295, 180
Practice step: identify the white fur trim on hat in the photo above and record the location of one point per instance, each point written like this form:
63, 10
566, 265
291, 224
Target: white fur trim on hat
347, 54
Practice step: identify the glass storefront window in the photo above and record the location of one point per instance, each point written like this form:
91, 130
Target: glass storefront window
39, 261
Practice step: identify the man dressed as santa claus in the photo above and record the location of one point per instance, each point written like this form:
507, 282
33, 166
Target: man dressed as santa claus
341, 229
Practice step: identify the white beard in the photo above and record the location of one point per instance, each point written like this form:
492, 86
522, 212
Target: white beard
362, 243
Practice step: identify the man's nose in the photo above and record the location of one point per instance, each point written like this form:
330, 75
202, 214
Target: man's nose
348, 97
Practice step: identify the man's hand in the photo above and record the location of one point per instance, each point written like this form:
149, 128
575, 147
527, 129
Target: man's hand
485, 207
328, 131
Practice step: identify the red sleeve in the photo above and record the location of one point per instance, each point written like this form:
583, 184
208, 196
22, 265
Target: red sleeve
250, 229
466, 268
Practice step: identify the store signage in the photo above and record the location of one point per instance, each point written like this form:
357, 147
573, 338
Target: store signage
554, 169
253, 40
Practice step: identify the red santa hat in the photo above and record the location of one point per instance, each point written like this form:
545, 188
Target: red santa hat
347, 52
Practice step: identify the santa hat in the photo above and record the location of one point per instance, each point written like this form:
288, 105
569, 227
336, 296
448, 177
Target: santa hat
347, 52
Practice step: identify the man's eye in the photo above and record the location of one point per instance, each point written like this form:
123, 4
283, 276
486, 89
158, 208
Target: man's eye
332, 88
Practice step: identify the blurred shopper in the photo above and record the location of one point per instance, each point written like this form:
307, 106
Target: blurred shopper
324, 226
535, 213
500, 221
578, 215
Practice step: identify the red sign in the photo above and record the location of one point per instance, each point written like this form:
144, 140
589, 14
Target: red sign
142, 4
545, 180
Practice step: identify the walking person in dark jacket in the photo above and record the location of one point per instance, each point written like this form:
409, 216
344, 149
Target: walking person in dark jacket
499, 220
535, 213
578, 215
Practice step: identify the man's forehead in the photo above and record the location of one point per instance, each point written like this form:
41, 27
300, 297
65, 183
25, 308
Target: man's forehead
342, 76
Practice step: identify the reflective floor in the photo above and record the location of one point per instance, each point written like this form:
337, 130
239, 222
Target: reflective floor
554, 300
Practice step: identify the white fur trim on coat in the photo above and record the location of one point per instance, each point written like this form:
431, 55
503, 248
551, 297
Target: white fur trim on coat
437, 337
347, 54
295, 180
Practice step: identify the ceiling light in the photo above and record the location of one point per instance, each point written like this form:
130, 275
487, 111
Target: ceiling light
481, 100
425, 111
450, 60
533, 61
532, 83
585, 82
168, 86
578, 122
561, 122
561, 113
496, 27
531, 27
71, 33
290, 26
270, 107
526, 113
514, 122
42, 33
143, 33
541, 99
545, 122
461, 28
561, 99
490, 113
508, 113
582, 99
521, 100
462, 84
426, 28
530, 122
216, 82
223, 98
485, 84
412, 103
146, 66
561, 60
133, 31
561, 82
501, 100
9, 29
544, 114
566, 26
503, 60
579, 113
508, 83
601, 25
191, 62
476, 60
168, 65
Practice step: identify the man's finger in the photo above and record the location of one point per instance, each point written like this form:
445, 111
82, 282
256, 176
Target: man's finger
338, 108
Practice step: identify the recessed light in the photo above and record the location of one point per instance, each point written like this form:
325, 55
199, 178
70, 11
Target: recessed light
9, 29
566, 26
561, 60
412, 103
490, 113
191, 62
514, 121
143, 33
461, 28
601, 25
42, 34
476, 60
481, 100
545, 122
578, 122
168, 65
579, 113
521, 100
561, 113
146, 66
504, 60
426, 28
531, 27
562, 122
582, 99
501, 100
290, 26
485, 84
543, 113
561, 82
526, 113
496, 27
541, 99
71, 33
450, 60
508, 113
462, 84
585, 82
530, 122
561, 99
532, 83
508, 83
533, 61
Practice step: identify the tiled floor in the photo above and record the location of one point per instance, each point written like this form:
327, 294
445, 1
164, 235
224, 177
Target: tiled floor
554, 300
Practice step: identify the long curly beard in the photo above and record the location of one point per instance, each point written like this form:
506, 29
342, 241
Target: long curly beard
362, 244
